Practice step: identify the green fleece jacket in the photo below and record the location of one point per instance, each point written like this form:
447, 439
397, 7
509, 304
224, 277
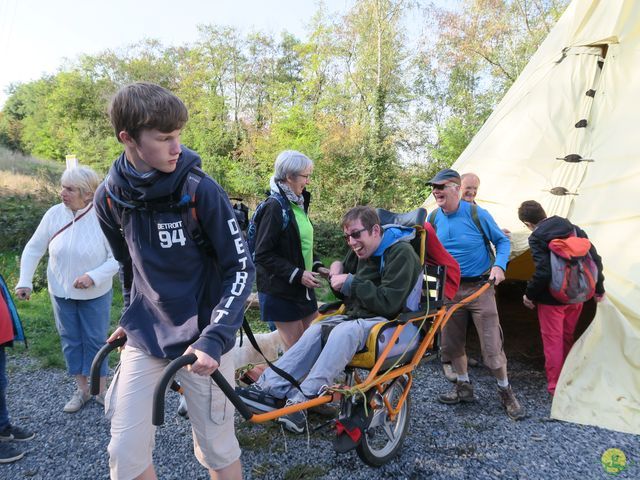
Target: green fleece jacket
383, 294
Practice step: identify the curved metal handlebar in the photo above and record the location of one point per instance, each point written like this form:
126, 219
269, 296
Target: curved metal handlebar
167, 376
102, 354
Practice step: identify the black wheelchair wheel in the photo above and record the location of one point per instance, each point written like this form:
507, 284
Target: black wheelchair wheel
383, 437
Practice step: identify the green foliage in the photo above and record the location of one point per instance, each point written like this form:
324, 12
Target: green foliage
359, 96
19, 218
22, 206
328, 241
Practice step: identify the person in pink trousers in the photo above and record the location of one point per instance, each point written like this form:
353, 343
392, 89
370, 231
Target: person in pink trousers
557, 320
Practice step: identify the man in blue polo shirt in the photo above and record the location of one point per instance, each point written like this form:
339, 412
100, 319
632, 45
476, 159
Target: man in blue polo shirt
466, 230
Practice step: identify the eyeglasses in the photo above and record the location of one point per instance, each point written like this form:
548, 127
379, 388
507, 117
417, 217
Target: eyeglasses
442, 186
306, 177
355, 234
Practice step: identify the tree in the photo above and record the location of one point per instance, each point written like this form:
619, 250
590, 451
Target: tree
480, 47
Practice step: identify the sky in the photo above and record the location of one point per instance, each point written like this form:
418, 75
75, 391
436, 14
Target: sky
36, 36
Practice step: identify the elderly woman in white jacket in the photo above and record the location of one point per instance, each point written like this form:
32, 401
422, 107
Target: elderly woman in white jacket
79, 274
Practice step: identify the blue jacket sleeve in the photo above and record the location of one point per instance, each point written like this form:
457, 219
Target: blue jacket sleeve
234, 264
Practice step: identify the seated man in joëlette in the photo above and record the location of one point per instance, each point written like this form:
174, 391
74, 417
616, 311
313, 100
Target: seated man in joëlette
374, 281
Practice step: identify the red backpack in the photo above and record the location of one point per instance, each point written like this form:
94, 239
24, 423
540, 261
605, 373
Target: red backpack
573, 271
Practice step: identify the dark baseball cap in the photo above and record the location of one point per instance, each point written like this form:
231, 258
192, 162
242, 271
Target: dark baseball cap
445, 176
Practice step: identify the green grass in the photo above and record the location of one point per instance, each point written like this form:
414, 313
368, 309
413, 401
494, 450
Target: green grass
305, 472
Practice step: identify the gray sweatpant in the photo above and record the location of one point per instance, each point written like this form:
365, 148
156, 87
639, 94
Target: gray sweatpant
320, 365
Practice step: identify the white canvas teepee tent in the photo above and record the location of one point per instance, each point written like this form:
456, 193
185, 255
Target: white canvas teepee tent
576, 100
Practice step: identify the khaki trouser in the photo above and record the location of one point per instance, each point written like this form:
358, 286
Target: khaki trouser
128, 404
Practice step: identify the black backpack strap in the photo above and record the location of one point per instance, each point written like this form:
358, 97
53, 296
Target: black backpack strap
115, 206
286, 209
287, 376
187, 204
487, 242
432, 218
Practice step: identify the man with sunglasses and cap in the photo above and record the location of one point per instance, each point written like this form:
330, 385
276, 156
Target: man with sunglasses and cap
375, 280
465, 237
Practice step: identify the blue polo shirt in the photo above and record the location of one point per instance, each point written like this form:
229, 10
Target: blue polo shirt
460, 236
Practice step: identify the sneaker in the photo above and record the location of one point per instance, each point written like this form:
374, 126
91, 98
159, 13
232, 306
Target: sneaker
510, 403
258, 400
16, 434
8, 453
183, 410
295, 422
462, 392
99, 398
77, 401
449, 372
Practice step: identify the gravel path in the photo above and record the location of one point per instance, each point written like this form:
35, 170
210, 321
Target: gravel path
445, 442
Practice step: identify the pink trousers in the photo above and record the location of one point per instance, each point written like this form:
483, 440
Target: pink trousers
557, 324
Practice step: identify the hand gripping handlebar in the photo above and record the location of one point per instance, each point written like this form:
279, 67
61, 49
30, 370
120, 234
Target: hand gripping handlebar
167, 376
102, 354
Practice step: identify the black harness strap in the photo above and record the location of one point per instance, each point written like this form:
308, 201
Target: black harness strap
287, 376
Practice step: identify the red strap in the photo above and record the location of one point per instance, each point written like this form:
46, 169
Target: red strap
354, 434
70, 223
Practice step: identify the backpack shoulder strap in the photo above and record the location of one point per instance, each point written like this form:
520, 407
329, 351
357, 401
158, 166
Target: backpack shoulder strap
284, 205
113, 207
188, 203
476, 221
432, 218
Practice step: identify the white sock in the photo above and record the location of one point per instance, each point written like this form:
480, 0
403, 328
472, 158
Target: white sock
503, 383
463, 378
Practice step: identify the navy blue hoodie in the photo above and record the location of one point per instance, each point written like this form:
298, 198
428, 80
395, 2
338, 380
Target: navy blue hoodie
180, 296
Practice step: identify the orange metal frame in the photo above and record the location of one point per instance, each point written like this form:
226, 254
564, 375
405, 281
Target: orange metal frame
440, 319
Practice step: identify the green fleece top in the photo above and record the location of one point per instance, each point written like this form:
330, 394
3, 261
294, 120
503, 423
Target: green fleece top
383, 294
306, 235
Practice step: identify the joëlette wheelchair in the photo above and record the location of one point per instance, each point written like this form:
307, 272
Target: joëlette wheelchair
374, 412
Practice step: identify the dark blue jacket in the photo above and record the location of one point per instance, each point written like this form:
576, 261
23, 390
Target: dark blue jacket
180, 296
278, 257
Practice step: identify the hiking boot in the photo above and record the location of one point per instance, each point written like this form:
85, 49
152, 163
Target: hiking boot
449, 372
515, 411
77, 401
8, 453
16, 434
258, 400
462, 392
295, 422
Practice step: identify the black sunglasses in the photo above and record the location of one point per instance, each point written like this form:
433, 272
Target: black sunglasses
355, 234
441, 186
